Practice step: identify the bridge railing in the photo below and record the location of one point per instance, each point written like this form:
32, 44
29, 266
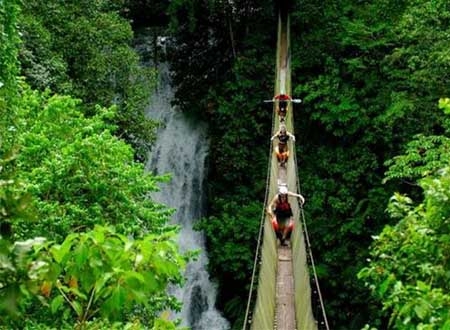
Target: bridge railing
264, 309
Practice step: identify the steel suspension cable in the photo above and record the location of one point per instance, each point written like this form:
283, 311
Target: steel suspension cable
308, 245
261, 227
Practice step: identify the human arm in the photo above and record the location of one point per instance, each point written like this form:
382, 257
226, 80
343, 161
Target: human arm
275, 135
271, 206
292, 136
302, 199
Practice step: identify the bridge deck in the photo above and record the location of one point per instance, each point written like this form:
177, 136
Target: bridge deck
285, 308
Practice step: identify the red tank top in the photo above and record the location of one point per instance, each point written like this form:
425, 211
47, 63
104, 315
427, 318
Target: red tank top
283, 206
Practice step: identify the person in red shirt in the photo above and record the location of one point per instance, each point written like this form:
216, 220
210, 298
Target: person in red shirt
282, 100
281, 214
282, 104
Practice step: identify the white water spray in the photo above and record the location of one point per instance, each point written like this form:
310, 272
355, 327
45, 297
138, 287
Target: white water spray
181, 149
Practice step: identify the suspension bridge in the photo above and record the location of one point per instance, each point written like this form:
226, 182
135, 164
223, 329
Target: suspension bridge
284, 292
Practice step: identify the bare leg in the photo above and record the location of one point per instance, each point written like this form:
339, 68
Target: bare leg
281, 234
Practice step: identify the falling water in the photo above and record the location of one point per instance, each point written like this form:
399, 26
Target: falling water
181, 149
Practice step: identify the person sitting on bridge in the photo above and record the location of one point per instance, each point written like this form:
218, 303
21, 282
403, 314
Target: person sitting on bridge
281, 214
281, 150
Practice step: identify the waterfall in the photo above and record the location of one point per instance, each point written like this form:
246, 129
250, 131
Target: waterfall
181, 149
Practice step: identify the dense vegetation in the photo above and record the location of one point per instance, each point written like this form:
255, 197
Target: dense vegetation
371, 76
228, 93
372, 136
83, 49
373, 85
82, 245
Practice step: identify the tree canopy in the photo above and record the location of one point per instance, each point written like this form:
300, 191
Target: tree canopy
370, 137
82, 245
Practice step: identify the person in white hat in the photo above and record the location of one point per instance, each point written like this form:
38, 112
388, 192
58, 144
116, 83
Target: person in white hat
280, 210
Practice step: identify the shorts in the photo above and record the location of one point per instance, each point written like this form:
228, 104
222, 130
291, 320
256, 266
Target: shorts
283, 221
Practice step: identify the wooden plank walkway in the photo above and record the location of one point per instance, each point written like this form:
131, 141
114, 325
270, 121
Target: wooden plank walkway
282, 176
285, 308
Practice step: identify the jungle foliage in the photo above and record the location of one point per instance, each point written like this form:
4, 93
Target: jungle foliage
370, 76
232, 71
408, 265
82, 245
373, 85
85, 49
370, 137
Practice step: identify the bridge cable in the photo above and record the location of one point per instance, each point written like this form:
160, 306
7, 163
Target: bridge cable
261, 227
308, 245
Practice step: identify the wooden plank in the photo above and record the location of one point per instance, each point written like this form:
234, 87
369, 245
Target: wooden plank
285, 309
282, 176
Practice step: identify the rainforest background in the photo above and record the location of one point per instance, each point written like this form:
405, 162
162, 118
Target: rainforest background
372, 142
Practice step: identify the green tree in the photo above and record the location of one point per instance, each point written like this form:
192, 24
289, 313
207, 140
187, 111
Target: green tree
104, 273
408, 267
230, 254
9, 46
80, 176
97, 278
408, 270
21, 269
84, 49
18, 264
55, 174
360, 107
79, 173
424, 155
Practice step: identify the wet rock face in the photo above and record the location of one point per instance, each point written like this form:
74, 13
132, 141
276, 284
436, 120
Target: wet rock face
199, 304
